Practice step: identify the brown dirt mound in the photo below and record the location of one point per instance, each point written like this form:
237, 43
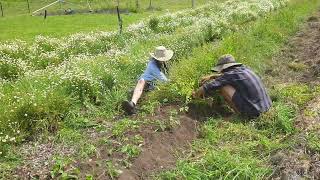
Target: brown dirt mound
160, 151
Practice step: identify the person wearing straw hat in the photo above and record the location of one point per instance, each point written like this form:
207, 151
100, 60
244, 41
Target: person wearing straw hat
241, 88
155, 71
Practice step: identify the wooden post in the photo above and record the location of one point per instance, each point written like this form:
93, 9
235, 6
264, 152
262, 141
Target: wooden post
1, 9
28, 6
45, 14
119, 20
193, 3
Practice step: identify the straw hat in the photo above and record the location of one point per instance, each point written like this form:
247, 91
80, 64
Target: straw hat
162, 54
225, 62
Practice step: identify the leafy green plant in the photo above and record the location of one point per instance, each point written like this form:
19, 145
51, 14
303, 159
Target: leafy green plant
153, 23
122, 126
313, 141
112, 171
58, 170
279, 119
131, 150
298, 93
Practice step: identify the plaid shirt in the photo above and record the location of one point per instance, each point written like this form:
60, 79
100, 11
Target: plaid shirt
248, 86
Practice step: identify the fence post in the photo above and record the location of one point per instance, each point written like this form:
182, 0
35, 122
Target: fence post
28, 6
45, 14
150, 4
193, 3
1, 9
119, 20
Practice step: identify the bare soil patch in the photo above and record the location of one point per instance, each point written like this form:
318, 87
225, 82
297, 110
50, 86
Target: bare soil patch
162, 150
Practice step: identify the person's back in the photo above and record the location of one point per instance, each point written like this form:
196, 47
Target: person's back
242, 89
249, 87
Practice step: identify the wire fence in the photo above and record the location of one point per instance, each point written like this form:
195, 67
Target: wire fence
60, 7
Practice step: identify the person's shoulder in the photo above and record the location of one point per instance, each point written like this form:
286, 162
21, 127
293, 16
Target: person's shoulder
152, 61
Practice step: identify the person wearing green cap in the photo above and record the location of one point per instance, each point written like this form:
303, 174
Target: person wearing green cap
241, 88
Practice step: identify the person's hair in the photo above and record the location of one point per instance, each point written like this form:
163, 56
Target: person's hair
162, 66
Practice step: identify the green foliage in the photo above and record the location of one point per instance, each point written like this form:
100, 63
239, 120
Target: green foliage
131, 150
58, 169
153, 23
279, 119
112, 171
11, 69
124, 125
299, 94
296, 66
313, 141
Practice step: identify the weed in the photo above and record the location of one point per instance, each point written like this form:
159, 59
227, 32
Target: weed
119, 129
279, 119
313, 141
153, 23
88, 150
137, 139
58, 169
297, 93
297, 66
131, 150
89, 177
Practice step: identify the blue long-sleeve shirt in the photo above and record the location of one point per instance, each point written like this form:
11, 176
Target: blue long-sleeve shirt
153, 72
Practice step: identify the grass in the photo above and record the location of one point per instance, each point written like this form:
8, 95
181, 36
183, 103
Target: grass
17, 24
241, 150
98, 82
18, 7
89, 81
27, 27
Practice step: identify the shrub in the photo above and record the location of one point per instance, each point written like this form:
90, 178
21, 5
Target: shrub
11, 69
153, 24
279, 119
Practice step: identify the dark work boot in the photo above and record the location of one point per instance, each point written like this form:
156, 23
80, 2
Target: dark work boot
129, 107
